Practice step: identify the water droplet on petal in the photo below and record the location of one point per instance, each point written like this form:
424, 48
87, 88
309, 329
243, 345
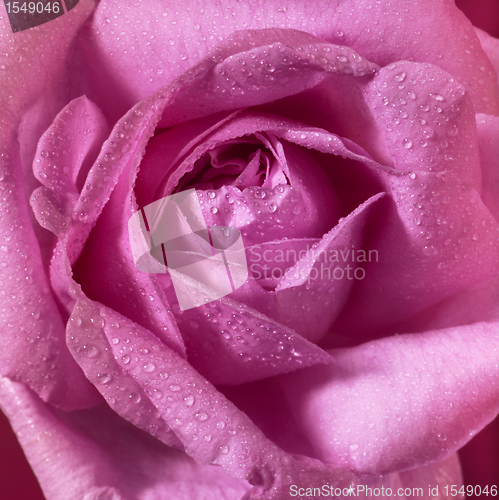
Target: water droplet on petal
430, 250
149, 367
105, 378
189, 400
90, 351
401, 76
134, 397
201, 416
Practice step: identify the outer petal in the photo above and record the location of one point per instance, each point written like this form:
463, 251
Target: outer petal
399, 402
95, 454
427, 119
488, 135
34, 350
441, 220
438, 33
212, 430
491, 47
72, 216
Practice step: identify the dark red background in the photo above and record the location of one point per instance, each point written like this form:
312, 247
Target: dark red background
480, 457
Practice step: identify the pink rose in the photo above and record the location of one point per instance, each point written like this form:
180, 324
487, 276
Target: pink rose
352, 147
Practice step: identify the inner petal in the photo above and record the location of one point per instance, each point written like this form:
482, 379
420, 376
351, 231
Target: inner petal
267, 188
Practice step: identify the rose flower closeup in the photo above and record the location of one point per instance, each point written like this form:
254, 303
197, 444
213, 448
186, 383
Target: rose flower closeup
250, 250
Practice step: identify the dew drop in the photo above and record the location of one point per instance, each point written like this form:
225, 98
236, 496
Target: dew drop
157, 394
201, 416
149, 367
76, 320
430, 250
126, 359
401, 76
97, 321
105, 378
189, 400
407, 143
134, 397
90, 351
428, 132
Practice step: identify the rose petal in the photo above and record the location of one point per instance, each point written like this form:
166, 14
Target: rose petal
236, 75
488, 133
74, 222
211, 428
491, 47
34, 350
428, 120
476, 303
246, 344
167, 147
91, 453
447, 234
388, 405
297, 298
107, 259
439, 34
95, 454
65, 153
